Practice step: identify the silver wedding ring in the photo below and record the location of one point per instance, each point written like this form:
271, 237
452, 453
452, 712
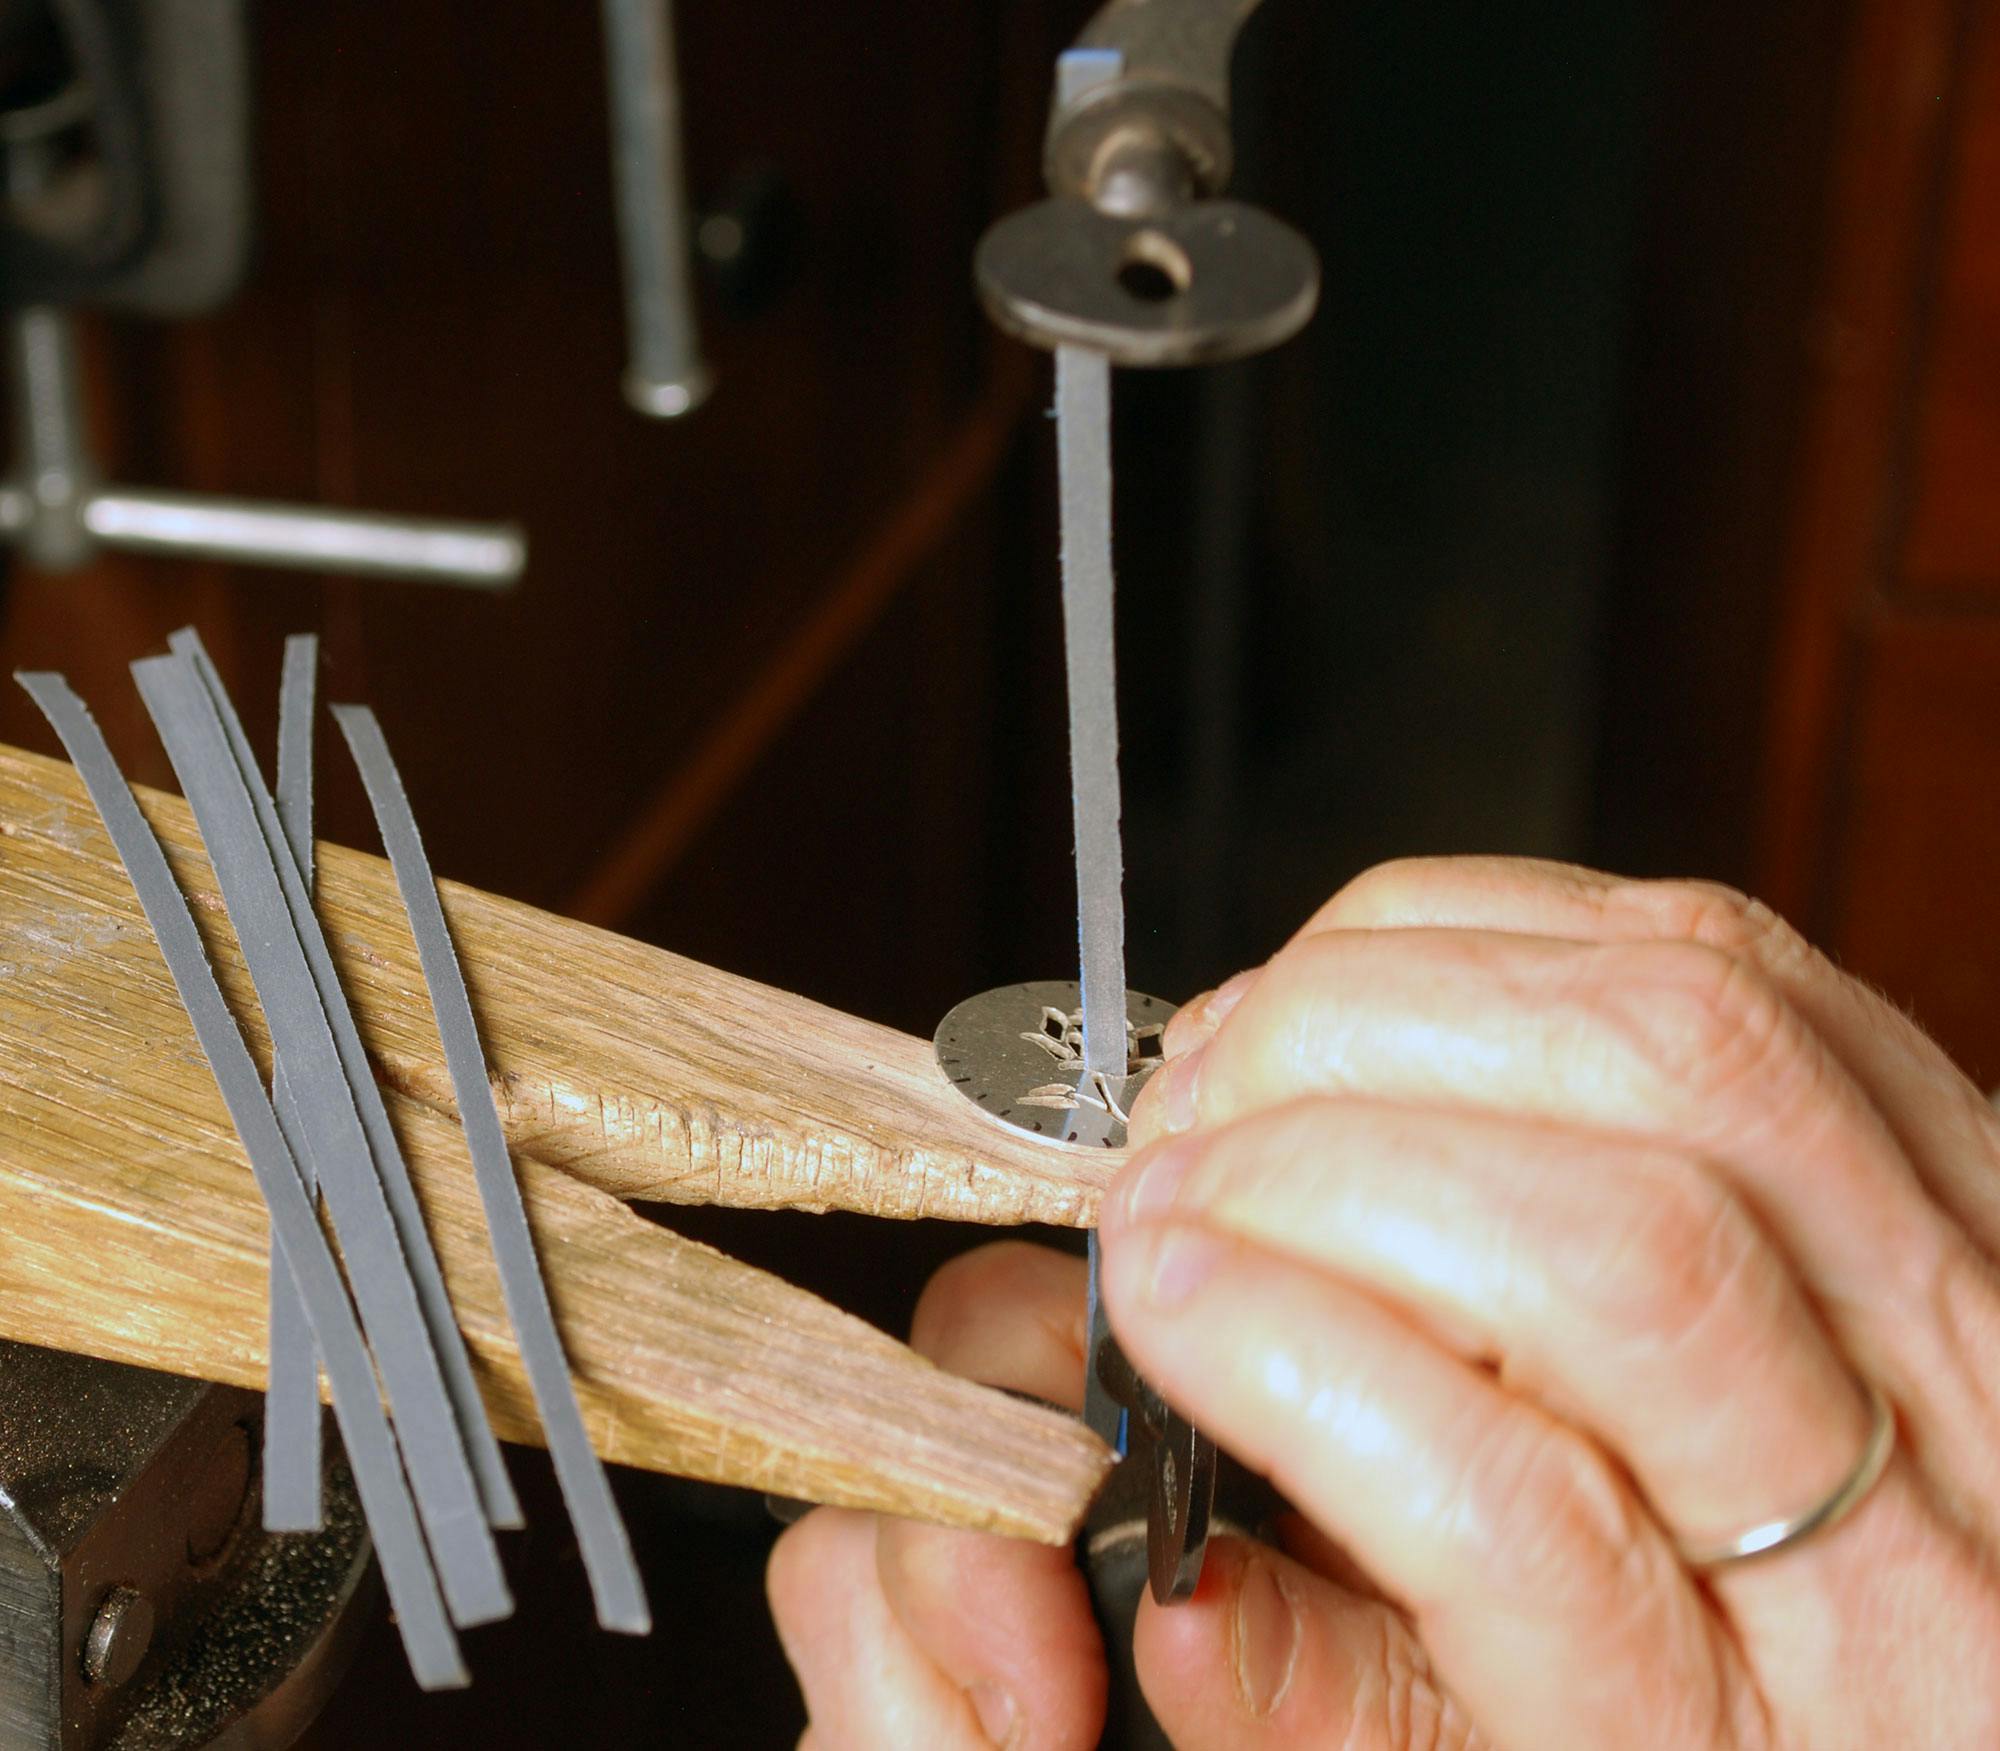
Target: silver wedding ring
1852, 1491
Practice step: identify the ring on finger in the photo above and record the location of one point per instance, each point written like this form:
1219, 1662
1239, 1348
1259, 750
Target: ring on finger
1771, 1536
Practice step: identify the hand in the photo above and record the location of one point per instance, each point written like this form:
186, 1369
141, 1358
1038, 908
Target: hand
1527, 1227
918, 1638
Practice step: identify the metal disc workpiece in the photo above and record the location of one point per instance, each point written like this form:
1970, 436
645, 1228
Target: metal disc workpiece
1017, 1054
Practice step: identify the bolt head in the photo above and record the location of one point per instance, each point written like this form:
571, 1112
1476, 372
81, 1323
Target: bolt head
119, 1635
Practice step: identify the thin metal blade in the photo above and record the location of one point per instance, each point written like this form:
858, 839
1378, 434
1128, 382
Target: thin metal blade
1083, 448
1083, 467
1083, 451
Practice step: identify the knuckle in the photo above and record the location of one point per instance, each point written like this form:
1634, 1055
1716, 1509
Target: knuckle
1387, 890
961, 1290
932, 1573
1291, 1032
1709, 1023
1410, 1710
1545, 1520
1716, 916
905, 1560
1009, 1313
1686, 1247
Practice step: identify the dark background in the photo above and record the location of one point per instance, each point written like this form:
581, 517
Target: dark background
1622, 503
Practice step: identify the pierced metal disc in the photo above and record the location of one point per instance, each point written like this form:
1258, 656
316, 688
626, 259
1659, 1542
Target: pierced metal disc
1017, 1054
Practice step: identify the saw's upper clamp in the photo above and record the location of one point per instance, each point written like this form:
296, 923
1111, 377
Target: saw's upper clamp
1134, 255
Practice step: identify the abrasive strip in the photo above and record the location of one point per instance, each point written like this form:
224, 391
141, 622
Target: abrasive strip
253, 883
600, 1530
446, 1342
291, 1404
371, 1446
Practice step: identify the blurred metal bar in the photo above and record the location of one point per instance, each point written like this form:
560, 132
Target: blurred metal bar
305, 538
665, 375
53, 477
54, 509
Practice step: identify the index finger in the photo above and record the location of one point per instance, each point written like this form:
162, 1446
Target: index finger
1667, 1041
1944, 1123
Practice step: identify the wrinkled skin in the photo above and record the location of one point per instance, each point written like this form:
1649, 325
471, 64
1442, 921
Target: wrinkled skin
1527, 1228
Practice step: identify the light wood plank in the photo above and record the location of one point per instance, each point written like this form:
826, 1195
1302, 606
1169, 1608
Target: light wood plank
640, 1071
130, 1227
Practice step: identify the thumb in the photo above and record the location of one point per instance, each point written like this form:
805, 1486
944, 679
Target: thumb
1268, 1656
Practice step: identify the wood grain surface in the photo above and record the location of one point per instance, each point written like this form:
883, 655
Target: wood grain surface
639, 1071
130, 1227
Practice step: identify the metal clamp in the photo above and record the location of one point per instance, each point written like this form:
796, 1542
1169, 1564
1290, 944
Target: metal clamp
145, 1604
1134, 255
1183, 1465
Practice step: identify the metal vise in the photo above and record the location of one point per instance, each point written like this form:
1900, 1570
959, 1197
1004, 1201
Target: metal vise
142, 1606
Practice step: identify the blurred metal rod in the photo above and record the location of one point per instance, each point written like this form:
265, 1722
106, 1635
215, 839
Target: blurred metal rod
53, 506
479, 556
665, 375
45, 503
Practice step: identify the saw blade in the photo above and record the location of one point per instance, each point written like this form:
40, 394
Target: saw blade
1083, 448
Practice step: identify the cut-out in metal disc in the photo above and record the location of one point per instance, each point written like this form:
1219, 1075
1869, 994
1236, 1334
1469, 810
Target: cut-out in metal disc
1017, 1054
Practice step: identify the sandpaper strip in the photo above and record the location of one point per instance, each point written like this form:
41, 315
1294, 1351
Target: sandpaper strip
371, 1445
391, 1173
600, 1531
1083, 449
291, 1404
1083, 493
297, 693
265, 915
1083, 454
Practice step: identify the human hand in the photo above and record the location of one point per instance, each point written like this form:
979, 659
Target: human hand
1525, 1226
1528, 1227
907, 1637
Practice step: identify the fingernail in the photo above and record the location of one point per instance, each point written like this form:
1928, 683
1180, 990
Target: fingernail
1187, 1024
1150, 1183
1227, 995
1183, 1260
1267, 1639
995, 1708
1166, 1104
1201, 1015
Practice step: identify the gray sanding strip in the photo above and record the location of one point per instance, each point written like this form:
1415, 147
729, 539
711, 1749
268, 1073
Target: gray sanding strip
391, 1173
253, 889
1083, 467
1083, 456
371, 1446
297, 689
600, 1531
291, 1406
1083, 452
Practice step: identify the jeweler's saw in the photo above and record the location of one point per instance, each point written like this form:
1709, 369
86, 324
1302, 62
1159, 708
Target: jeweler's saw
1134, 259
